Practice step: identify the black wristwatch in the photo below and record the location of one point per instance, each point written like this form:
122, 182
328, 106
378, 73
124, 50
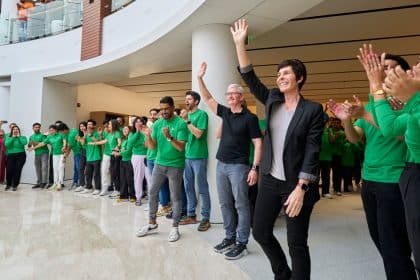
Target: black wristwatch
304, 187
188, 122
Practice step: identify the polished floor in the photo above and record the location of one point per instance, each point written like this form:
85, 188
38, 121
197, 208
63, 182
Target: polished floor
62, 235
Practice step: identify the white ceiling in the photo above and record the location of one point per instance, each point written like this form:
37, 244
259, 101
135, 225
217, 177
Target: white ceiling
327, 42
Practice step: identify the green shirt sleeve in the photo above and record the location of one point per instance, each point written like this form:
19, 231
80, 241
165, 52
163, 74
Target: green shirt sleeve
390, 124
202, 122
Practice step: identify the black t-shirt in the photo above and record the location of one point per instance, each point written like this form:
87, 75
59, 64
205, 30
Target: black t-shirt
238, 130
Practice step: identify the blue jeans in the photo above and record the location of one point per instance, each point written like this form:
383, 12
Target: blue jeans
164, 195
197, 169
76, 167
232, 189
23, 30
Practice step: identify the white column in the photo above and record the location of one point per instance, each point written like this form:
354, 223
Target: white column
213, 44
35, 99
4, 102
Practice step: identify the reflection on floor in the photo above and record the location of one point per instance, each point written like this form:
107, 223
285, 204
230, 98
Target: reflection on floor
63, 235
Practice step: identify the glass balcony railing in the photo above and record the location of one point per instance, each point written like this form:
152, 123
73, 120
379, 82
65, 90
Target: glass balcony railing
47, 19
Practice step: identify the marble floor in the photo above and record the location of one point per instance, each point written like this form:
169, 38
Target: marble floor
62, 235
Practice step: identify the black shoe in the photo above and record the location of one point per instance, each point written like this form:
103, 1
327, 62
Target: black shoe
43, 186
14, 189
37, 186
7, 188
237, 252
226, 245
169, 216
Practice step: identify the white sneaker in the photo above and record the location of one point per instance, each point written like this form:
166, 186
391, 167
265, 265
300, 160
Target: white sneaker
96, 192
79, 189
174, 234
145, 230
327, 195
103, 193
86, 191
53, 187
338, 193
58, 188
114, 194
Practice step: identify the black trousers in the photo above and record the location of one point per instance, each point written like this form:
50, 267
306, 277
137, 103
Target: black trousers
357, 171
127, 180
386, 222
51, 170
82, 168
347, 174
325, 169
410, 190
93, 170
115, 172
271, 196
337, 173
15, 163
252, 196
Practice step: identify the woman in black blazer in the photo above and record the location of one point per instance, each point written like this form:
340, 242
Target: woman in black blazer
290, 164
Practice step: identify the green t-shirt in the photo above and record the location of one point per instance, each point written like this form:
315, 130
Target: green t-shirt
263, 126
56, 142
106, 148
112, 139
38, 138
74, 145
337, 145
137, 142
15, 144
196, 148
384, 156
93, 152
126, 149
167, 155
326, 152
348, 154
151, 153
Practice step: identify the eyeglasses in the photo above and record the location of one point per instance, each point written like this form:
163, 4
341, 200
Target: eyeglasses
232, 93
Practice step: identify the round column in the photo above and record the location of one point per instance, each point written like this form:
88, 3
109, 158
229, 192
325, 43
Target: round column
213, 44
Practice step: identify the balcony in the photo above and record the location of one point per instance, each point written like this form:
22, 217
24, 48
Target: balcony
47, 19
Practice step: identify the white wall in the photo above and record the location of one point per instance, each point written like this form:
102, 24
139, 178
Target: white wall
59, 102
103, 97
4, 102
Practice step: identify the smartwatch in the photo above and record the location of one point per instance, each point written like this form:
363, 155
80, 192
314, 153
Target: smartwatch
304, 187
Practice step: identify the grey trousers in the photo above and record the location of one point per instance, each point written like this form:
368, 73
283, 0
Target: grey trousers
41, 168
174, 175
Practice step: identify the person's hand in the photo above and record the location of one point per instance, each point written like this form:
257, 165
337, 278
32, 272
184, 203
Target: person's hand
30, 149
374, 67
252, 177
146, 131
202, 70
395, 103
239, 31
401, 84
356, 109
166, 133
294, 202
339, 110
